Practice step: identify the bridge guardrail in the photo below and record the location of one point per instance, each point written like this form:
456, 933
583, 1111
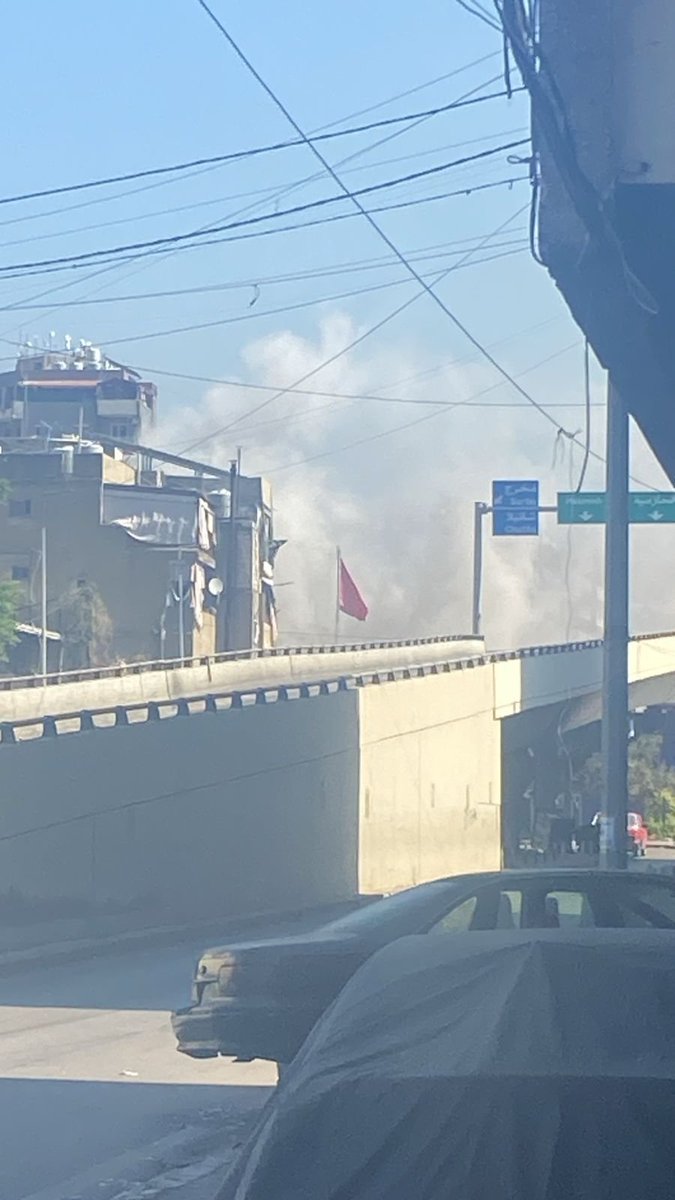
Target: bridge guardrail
120, 670
121, 715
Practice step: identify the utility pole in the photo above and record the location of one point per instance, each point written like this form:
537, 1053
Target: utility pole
615, 646
230, 580
181, 609
479, 511
43, 604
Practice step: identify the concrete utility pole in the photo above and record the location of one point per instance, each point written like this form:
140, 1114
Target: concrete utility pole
43, 604
615, 649
479, 511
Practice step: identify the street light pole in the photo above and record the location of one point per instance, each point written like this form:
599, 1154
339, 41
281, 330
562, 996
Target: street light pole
43, 604
616, 632
479, 511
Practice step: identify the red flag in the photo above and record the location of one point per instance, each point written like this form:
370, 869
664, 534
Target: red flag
350, 600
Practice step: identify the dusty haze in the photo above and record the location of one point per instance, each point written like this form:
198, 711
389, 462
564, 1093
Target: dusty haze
401, 506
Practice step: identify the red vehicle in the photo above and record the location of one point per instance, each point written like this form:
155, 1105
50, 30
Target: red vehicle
587, 837
638, 834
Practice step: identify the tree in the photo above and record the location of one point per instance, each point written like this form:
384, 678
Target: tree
651, 783
86, 627
10, 599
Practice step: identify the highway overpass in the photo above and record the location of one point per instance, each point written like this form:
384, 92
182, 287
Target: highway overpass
287, 790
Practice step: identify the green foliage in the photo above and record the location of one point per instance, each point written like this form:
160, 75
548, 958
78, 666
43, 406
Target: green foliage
10, 599
86, 627
651, 783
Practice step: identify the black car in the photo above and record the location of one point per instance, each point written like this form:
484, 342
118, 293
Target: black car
260, 999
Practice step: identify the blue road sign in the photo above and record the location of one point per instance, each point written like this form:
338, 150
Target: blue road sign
515, 507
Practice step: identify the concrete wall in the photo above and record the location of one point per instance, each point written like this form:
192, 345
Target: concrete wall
430, 779
242, 811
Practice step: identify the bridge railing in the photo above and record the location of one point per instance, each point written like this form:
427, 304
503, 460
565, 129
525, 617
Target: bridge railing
116, 715
123, 669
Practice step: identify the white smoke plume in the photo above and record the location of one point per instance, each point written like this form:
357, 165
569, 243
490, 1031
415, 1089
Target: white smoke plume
401, 506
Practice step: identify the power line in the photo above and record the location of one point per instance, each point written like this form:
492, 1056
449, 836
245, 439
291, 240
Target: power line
475, 10
420, 87
376, 437
428, 288
368, 216
357, 341
298, 391
284, 191
258, 314
178, 238
252, 152
264, 193
468, 190
351, 267
146, 263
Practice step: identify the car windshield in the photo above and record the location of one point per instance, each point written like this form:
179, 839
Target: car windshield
403, 911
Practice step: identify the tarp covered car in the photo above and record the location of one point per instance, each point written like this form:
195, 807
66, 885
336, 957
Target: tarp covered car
490, 1066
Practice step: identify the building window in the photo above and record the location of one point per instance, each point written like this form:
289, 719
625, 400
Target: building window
119, 431
20, 574
19, 508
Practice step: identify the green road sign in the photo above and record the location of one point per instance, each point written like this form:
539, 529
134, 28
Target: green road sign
652, 508
590, 508
582, 508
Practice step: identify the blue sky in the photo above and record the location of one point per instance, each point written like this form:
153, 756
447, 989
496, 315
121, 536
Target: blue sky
156, 84
91, 90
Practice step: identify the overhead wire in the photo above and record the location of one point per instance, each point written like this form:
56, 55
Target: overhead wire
258, 314
357, 341
428, 288
442, 250
587, 404
284, 191
179, 238
383, 433
160, 253
262, 192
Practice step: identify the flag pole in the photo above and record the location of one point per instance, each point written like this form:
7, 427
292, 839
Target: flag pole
338, 560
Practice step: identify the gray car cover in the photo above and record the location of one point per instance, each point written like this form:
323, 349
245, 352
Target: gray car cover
482, 1066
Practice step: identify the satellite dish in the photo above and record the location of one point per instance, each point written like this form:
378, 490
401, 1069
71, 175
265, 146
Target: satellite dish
215, 586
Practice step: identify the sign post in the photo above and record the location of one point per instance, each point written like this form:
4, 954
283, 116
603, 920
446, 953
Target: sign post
615, 639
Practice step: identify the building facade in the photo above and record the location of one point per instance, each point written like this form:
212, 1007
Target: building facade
74, 391
140, 565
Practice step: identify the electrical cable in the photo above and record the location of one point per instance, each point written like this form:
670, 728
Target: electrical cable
258, 314
288, 189
262, 192
428, 288
477, 11
376, 437
258, 233
177, 239
253, 152
353, 267
357, 341
587, 405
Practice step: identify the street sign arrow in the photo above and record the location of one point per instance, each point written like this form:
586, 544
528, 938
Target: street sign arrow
590, 508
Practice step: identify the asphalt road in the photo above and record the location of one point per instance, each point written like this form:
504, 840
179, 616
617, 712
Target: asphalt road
93, 1095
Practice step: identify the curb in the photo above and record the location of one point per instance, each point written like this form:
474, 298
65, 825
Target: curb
240, 926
